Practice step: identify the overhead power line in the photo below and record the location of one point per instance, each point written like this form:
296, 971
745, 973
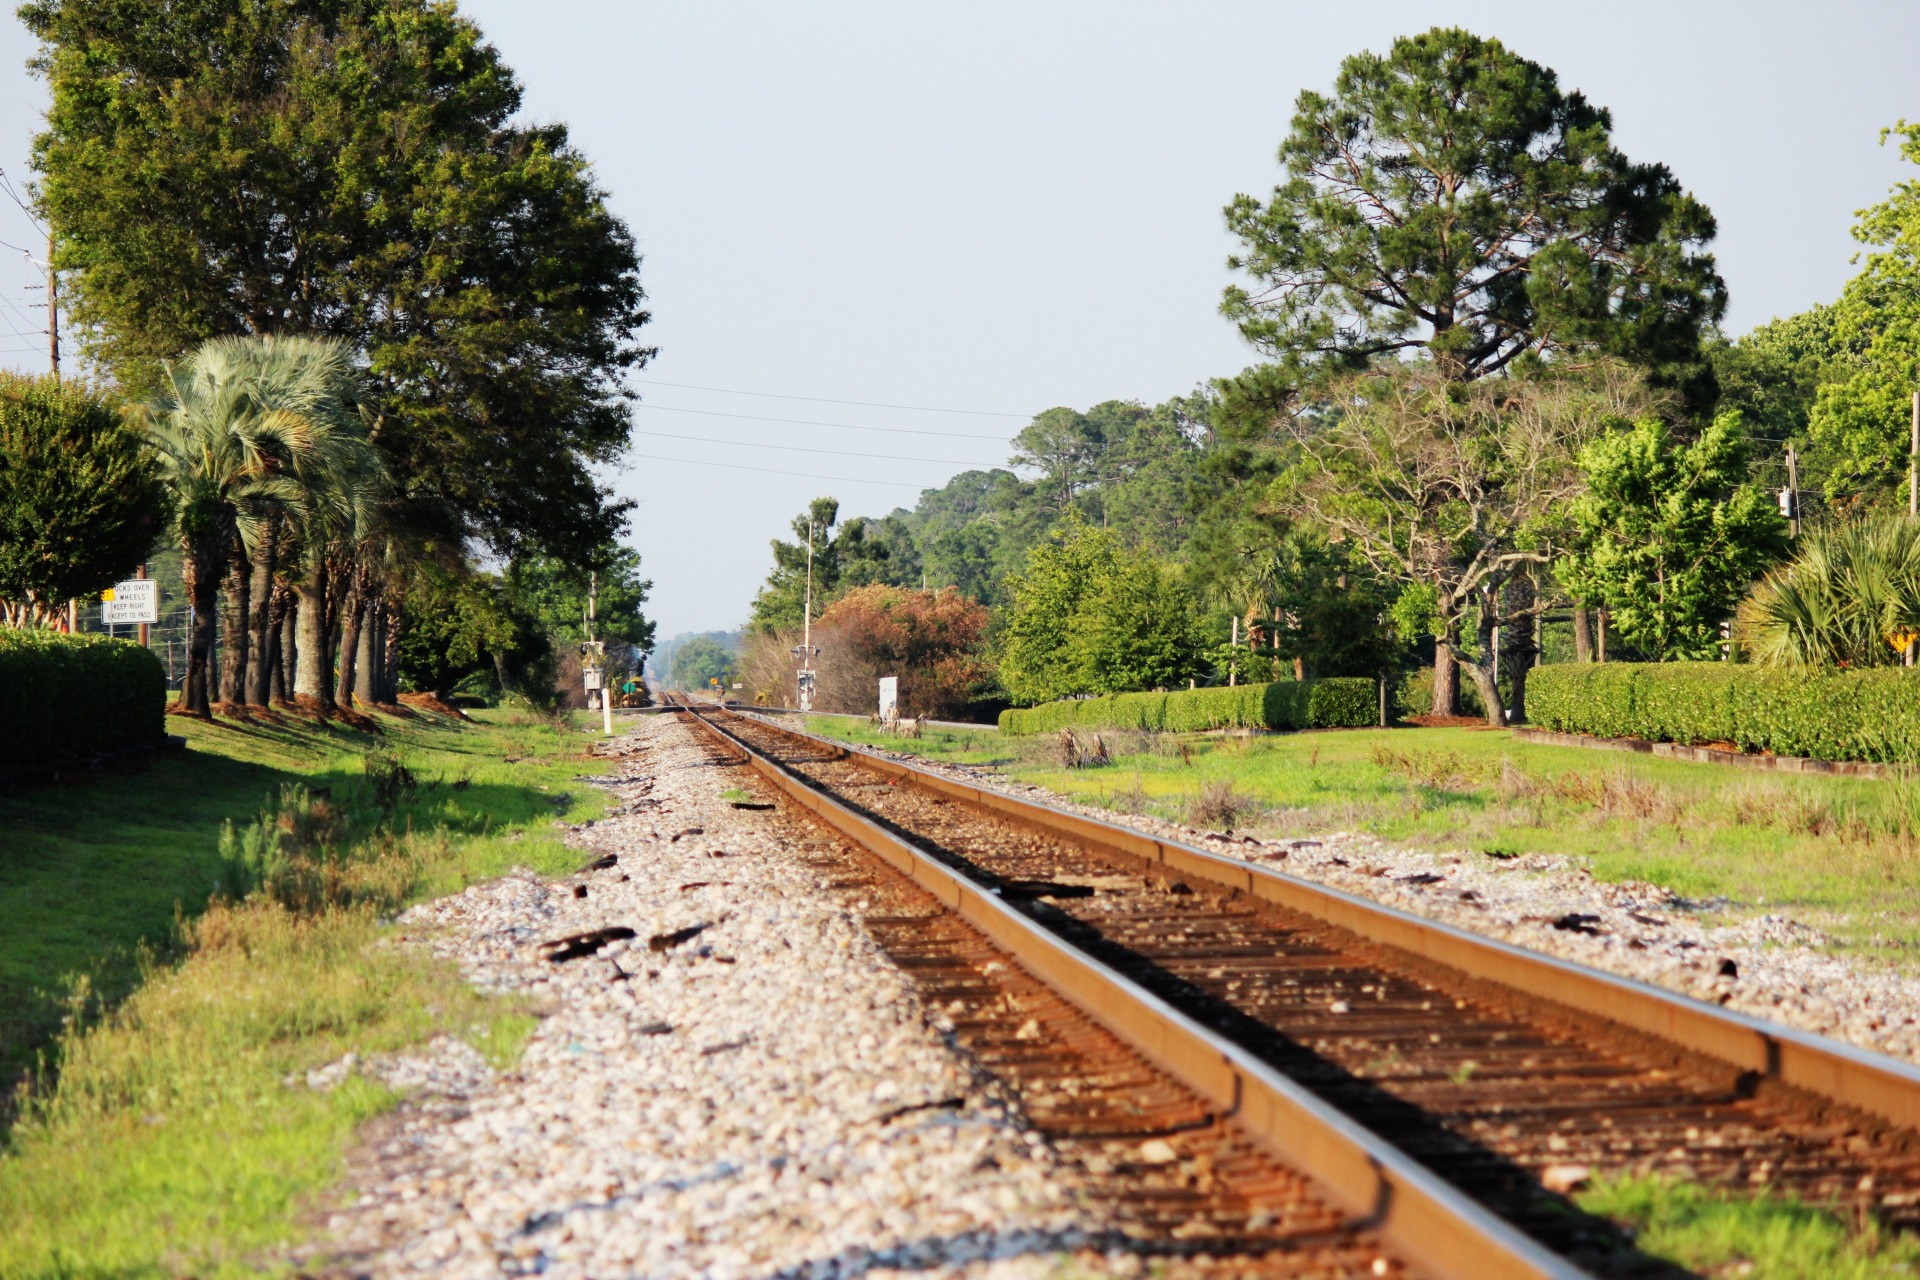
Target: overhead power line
800, 448
775, 471
864, 404
847, 426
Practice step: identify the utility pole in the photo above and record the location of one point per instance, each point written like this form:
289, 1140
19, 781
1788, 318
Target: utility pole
1913, 462
53, 312
1793, 491
597, 652
806, 633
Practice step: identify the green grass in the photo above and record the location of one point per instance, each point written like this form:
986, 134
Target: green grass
174, 1133
1839, 853
1765, 1237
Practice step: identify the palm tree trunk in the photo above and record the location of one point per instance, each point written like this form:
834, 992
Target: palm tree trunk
391, 621
1582, 633
203, 594
366, 684
312, 671
285, 606
260, 634
236, 592
353, 608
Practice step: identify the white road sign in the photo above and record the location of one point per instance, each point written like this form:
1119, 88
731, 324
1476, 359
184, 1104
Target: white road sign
135, 600
889, 698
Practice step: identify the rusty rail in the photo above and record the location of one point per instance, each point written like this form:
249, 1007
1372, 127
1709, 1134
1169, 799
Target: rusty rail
1440, 1231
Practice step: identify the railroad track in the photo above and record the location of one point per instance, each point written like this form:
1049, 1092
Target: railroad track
1426, 1082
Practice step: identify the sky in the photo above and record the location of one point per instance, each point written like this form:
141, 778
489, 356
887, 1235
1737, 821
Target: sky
957, 215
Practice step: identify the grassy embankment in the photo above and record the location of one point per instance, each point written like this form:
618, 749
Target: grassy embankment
1837, 852
208, 972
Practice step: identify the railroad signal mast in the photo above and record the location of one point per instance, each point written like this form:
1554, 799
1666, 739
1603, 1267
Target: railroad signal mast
805, 651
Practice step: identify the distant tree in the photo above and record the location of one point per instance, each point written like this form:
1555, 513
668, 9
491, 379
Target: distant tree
1670, 534
1771, 376
1451, 198
1064, 446
556, 592
699, 661
934, 642
358, 169
81, 500
1862, 411
1088, 616
465, 624
846, 557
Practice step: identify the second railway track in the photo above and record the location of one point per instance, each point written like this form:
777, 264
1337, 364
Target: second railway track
1487, 1084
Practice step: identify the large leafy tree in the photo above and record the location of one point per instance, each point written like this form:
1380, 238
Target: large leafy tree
354, 168
1451, 198
1669, 534
699, 661
1453, 493
1861, 415
1089, 616
81, 501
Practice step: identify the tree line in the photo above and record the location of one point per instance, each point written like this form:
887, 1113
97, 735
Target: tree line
361, 330
1494, 420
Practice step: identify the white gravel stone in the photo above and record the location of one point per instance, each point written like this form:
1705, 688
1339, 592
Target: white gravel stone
734, 1106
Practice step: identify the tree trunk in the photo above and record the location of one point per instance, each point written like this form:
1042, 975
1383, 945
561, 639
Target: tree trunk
1481, 673
353, 609
286, 608
260, 637
1446, 681
366, 667
1582, 633
390, 624
236, 607
203, 594
313, 668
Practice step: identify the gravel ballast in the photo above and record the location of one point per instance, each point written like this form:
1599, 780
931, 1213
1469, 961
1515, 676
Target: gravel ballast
741, 1087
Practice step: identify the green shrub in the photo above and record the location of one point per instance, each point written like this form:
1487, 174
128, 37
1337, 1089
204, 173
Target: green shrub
66, 697
1283, 704
1830, 715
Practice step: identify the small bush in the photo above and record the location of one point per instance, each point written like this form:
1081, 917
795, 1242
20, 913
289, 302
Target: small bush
66, 697
1282, 704
1221, 805
1829, 715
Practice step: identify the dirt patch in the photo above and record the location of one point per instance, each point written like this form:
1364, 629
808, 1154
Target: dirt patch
1451, 722
427, 702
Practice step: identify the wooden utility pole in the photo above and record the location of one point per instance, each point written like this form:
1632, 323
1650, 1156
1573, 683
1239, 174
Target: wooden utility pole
1793, 491
1913, 462
53, 312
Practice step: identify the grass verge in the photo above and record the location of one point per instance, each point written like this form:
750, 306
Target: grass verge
205, 937
1765, 1237
1839, 853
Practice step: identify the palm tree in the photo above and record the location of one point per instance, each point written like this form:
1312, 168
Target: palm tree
1850, 598
258, 437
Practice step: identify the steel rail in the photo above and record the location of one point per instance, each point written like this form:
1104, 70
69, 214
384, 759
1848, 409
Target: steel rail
1437, 1230
1764, 1052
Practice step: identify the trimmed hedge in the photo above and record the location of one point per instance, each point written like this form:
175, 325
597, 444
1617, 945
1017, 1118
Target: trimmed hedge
1829, 715
1346, 703
65, 697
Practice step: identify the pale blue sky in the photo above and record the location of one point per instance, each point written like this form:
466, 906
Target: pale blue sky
1003, 207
